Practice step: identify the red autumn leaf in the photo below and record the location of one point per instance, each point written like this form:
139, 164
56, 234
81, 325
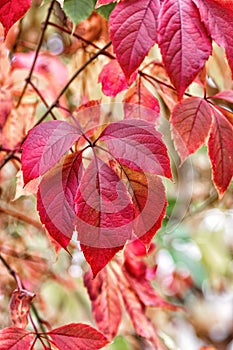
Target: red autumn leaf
13, 338
137, 145
147, 294
136, 311
104, 209
11, 11
217, 17
134, 264
103, 2
184, 42
113, 79
45, 145
105, 301
139, 103
133, 30
77, 336
146, 190
191, 120
98, 258
55, 198
136, 272
220, 147
20, 304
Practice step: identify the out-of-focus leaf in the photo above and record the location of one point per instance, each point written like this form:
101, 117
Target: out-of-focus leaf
19, 307
106, 305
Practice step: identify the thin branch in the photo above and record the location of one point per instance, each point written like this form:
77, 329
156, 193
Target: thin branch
76, 123
28, 79
56, 102
105, 53
20, 216
10, 270
160, 82
20, 286
41, 97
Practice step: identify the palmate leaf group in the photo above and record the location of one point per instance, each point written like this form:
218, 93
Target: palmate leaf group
104, 182
96, 201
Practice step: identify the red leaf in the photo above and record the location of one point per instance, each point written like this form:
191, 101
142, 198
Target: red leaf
136, 144
45, 145
55, 198
224, 95
104, 209
146, 191
184, 42
191, 120
20, 304
139, 103
113, 79
133, 30
103, 2
11, 11
217, 16
77, 336
220, 146
147, 294
98, 258
105, 301
13, 338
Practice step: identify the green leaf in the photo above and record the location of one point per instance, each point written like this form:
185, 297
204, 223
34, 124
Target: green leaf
106, 10
78, 10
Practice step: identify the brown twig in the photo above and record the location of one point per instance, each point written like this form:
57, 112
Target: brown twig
28, 79
20, 216
75, 75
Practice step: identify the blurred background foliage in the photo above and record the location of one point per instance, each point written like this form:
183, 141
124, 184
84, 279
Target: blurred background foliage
194, 247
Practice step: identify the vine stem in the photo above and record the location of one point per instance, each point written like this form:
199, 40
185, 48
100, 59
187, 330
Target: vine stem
28, 79
41, 97
76, 123
20, 285
67, 31
56, 101
160, 82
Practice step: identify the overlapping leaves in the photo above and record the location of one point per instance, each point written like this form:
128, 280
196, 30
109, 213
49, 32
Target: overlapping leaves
196, 122
71, 336
128, 284
182, 28
111, 201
